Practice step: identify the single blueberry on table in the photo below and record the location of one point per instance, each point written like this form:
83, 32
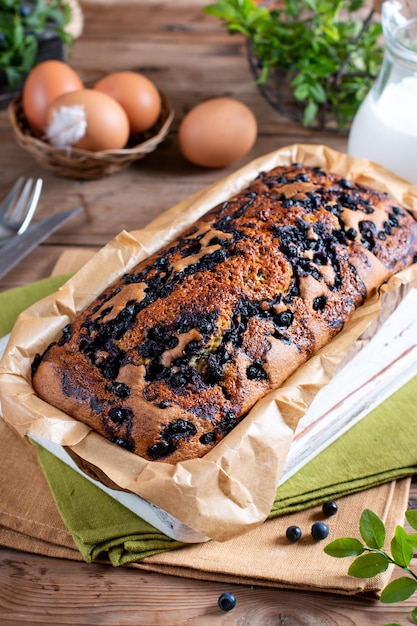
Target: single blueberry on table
227, 601
293, 533
330, 508
319, 531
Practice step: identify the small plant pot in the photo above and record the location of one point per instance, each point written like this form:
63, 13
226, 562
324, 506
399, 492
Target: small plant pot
50, 47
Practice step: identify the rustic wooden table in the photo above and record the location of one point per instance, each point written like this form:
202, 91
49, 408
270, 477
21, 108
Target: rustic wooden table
190, 57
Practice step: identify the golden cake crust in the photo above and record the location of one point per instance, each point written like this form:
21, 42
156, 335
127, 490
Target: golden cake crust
172, 356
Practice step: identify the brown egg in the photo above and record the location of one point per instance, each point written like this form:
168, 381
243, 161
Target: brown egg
87, 119
138, 96
217, 132
45, 82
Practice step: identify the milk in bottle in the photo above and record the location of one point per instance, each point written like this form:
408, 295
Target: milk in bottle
385, 127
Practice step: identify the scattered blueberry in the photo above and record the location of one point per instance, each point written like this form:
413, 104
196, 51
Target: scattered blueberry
319, 531
293, 533
227, 601
330, 508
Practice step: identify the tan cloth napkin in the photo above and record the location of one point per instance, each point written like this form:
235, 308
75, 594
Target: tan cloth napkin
263, 556
30, 521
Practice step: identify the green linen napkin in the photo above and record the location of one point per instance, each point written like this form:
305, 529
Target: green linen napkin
99, 524
379, 449
16, 300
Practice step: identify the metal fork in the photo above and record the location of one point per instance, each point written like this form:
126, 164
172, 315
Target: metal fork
19, 206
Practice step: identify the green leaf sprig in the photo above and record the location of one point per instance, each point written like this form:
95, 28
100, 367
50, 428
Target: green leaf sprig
21, 23
328, 54
371, 559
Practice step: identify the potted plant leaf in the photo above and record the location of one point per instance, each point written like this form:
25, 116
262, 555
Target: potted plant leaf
313, 60
30, 32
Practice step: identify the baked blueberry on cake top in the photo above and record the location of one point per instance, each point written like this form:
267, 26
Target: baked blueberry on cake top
168, 359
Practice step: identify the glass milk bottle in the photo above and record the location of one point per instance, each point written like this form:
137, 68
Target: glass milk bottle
385, 127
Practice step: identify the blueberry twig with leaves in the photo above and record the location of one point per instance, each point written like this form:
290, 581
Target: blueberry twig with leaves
329, 56
371, 559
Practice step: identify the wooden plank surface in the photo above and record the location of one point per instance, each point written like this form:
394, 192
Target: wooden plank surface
190, 57
41, 590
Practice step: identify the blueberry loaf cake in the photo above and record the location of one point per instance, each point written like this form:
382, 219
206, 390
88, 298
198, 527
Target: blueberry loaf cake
172, 356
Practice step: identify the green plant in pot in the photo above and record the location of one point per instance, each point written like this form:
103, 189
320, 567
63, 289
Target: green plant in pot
313, 60
30, 31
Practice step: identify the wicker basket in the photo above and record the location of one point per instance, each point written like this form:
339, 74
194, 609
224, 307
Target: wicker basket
84, 164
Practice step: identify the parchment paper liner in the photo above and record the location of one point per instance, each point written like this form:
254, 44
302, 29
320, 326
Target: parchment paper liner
233, 487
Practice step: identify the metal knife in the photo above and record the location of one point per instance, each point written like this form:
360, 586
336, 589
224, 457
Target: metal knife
16, 248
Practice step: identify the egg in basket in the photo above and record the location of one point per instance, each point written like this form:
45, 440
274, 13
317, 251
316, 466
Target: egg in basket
87, 133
